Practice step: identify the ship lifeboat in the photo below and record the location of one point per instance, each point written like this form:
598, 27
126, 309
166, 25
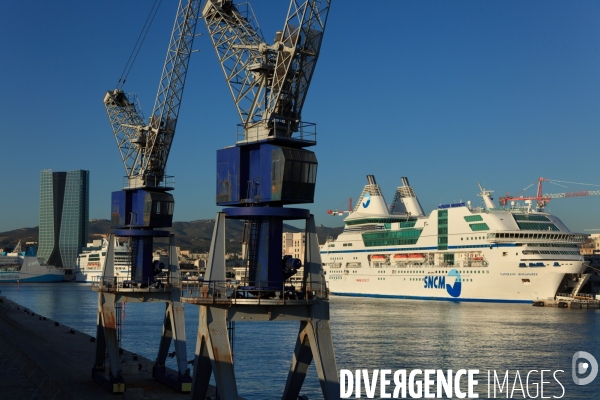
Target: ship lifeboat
416, 257
400, 257
378, 257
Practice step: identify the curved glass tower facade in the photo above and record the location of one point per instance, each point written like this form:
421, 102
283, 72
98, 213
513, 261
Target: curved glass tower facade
64, 216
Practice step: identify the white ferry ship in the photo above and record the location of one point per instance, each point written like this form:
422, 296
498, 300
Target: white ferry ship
92, 257
26, 267
457, 253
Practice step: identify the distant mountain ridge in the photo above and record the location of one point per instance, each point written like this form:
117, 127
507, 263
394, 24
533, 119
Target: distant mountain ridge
194, 235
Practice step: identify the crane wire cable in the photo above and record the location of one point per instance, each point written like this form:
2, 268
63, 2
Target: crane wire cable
143, 32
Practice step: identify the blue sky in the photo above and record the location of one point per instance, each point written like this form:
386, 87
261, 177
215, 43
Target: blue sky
447, 93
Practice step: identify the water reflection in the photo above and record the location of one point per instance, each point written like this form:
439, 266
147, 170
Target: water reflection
368, 334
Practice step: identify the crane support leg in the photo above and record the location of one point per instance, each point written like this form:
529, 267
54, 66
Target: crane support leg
314, 338
106, 332
202, 370
215, 265
213, 353
314, 341
173, 329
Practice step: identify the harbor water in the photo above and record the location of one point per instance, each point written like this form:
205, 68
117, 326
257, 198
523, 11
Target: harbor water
371, 334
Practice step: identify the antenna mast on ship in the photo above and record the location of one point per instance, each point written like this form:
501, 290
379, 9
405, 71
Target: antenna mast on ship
486, 197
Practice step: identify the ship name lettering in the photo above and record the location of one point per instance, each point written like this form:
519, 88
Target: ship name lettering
434, 282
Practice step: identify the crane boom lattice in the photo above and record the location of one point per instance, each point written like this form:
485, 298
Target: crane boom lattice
125, 116
145, 147
268, 83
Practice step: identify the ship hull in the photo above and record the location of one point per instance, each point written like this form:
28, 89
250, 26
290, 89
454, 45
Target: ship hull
492, 282
31, 271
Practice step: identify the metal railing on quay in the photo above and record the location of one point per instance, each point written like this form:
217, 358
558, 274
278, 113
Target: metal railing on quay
116, 284
238, 292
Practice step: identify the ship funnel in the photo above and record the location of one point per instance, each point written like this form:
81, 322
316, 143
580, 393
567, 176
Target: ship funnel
405, 200
371, 200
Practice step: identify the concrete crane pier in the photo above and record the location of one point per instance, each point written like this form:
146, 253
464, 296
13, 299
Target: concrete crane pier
221, 302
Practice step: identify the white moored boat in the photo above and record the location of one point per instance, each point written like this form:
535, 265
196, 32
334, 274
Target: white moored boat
458, 252
26, 267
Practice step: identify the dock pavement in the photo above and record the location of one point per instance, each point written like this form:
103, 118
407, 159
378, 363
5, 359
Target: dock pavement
43, 359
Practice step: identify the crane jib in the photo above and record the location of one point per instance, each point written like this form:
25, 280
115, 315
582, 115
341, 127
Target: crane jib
145, 147
268, 83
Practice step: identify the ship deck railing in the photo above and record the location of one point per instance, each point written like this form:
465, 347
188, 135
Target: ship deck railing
263, 293
504, 209
509, 237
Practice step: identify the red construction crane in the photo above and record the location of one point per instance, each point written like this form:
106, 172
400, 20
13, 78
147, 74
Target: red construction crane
337, 212
543, 199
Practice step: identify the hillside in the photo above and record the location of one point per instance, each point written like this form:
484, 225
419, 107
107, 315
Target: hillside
194, 235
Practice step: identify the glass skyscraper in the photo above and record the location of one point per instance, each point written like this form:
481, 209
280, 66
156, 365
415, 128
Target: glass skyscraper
64, 216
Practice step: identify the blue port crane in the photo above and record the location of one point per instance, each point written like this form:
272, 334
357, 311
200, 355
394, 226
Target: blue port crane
268, 168
143, 211
144, 203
